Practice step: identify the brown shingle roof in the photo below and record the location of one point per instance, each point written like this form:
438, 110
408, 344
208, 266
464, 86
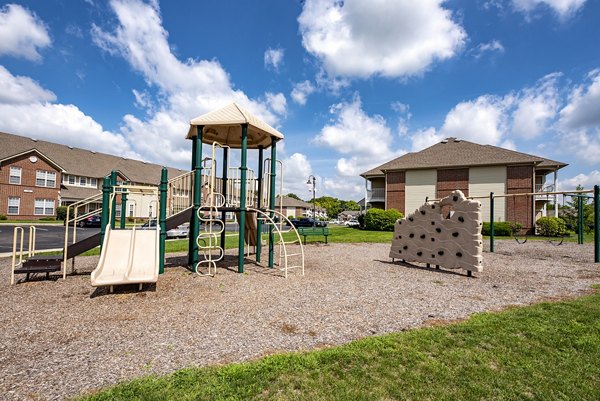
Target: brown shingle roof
71, 192
83, 162
452, 152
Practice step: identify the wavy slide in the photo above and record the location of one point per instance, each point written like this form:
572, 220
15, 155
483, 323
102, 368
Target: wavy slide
128, 257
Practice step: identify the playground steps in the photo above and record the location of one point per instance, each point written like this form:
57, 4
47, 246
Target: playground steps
40, 264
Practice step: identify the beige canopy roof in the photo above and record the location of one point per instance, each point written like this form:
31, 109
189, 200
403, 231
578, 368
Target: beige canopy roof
224, 126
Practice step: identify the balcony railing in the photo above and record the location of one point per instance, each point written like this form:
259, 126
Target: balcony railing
376, 195
543, 188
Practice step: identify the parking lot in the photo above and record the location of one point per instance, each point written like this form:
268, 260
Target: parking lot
47, 236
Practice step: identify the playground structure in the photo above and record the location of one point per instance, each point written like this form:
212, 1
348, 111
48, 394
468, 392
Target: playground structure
580, 195
444, 233
250, 197
199, 197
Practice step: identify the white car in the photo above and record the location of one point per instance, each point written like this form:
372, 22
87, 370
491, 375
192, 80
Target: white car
181, 231
352, 223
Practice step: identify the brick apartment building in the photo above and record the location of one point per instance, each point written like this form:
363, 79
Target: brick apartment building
405, 182
37, 176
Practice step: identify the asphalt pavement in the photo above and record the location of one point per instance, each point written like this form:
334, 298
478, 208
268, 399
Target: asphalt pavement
46, 237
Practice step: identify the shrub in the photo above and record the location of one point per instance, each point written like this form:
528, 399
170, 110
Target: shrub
501, 228
361, 220
3, 217
552, 226
381, 220
130, 219
47, 219
61, 213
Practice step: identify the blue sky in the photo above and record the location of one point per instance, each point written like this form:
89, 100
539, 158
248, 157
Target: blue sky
351, 84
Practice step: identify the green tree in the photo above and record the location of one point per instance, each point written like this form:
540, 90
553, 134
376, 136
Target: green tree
350, 205
332, 205
294, 196
569, 212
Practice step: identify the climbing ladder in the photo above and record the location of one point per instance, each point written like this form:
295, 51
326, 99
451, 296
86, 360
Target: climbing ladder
284, 255
208, 213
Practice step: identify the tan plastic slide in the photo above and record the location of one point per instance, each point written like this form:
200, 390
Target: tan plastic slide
128, 257
250, 228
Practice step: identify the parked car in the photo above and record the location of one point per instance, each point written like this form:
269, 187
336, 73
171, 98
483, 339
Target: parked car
352, 223
90, 221
181, 231
308, 222
149, 225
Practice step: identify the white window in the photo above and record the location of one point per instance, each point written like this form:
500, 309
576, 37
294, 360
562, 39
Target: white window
15, 175
82, 181
45, 179
131, 209
150, 211
93, 182
44, 207
71, 180
13, 205
118, 211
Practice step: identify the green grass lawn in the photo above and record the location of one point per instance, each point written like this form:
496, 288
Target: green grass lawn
547, 351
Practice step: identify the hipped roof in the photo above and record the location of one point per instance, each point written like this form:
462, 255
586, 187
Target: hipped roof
83, 162
225, 126
455, 153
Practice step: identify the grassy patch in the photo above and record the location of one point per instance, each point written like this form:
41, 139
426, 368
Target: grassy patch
547, 351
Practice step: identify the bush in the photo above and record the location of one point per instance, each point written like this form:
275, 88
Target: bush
61, 213
552, 226
3, 217
47, 219
381, 220
361, 220
130, 219
501, 228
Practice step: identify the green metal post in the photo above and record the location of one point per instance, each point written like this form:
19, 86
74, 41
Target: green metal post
113, 215
580, 219
194, 222
259, 203
123, 209
596, 224
491, 222
224, 213
242, 221
272, 199
106, 188
162, 218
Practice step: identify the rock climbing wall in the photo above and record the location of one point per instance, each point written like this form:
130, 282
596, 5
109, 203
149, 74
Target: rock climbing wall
452, 239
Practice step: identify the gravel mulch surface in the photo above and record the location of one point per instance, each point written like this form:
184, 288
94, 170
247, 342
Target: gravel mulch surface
60, 339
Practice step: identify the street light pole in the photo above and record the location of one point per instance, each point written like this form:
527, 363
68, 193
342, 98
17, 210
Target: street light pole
314, 180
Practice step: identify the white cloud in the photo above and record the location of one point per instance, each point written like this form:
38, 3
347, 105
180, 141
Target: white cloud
583, 109
482, 120
64, 124
345, 189
353, 132
297, 169
563, 8
391, 38
425, 138
22, 33
187, 88
16, 89
586, 180
301, 91
582, 144
490, 47
536, 108
274, 58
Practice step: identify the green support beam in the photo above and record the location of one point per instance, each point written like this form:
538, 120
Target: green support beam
194, 222
106, 189
580, 222
162, 218
596, 224
491, 222
113, 214
259, 203
123, 209
272, 199
242, 221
